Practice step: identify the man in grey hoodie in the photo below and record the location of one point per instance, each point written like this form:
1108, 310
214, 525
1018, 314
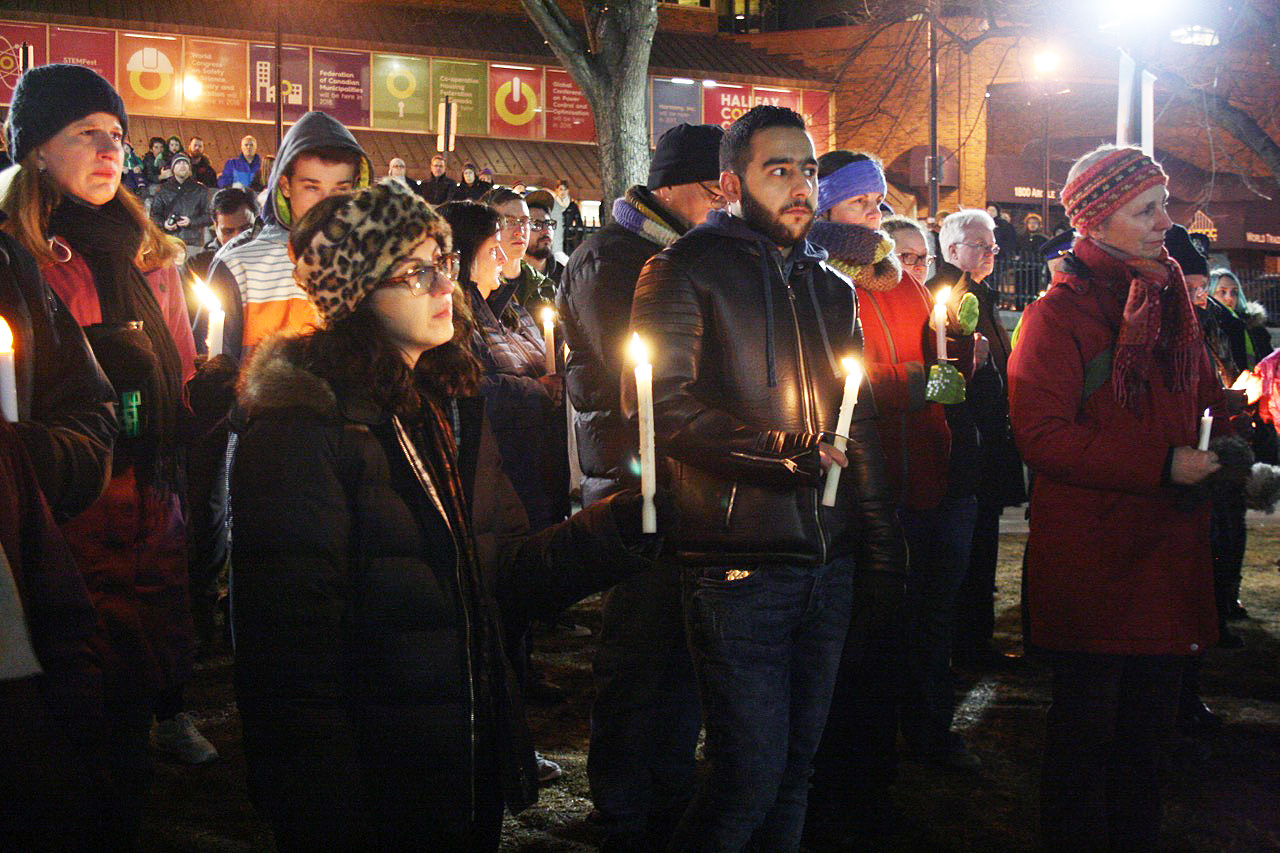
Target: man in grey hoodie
254, 280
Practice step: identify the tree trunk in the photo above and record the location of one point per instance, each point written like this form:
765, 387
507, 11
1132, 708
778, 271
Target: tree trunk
611, 66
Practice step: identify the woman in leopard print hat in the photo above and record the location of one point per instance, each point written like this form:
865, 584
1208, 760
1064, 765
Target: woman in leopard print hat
374, 536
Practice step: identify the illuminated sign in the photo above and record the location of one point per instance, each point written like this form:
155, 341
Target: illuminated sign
1033, 192
1265, 239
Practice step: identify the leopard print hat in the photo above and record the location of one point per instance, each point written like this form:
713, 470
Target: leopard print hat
361, 240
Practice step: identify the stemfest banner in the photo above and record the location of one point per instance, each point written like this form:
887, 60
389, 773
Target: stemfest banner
214, 78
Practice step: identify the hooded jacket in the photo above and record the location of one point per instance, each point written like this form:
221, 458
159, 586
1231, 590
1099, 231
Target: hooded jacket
244, 172
746, 385
369, 564
254, 280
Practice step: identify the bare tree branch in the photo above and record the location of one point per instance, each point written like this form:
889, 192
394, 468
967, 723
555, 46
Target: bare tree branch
1232, 119
562, 36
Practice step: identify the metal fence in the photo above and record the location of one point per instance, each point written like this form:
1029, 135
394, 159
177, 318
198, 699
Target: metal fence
1019, 280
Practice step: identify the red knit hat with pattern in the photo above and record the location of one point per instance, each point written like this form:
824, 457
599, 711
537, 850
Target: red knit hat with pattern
1108, 184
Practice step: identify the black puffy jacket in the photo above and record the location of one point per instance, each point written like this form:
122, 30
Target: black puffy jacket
190, 198
746, 384
594, 302
368, 561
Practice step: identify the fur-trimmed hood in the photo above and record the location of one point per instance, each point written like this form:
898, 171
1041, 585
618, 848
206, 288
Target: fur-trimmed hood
275, 381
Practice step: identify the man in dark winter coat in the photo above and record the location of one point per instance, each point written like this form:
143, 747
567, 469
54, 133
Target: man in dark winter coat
745, 324
201, 169
967, 255
645, 719
181, 205
437, 187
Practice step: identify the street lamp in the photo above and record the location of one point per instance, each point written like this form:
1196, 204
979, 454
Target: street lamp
1046, 62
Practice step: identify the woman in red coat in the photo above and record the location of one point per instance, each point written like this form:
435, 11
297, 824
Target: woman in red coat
115, 271
1106, 389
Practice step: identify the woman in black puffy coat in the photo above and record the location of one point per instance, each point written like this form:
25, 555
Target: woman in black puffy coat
372, 531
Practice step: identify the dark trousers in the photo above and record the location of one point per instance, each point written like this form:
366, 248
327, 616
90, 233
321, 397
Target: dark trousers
975, 608
938, 541
646, 716
1228, 537
765, 649
1103, 732
127, 736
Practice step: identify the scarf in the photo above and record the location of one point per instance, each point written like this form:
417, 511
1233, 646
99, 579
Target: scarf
1158, 326
108, 238
864, 254
639, 212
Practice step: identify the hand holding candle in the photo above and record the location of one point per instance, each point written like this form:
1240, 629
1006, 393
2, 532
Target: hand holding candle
549, 337
940, 321
8, 375
852, 382
217, 318
644, 405
1206, 427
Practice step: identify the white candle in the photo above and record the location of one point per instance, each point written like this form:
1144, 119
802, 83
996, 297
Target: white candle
940, 321
644, 403
213, 340
549, 337
852, 382
8, 376
1206, 427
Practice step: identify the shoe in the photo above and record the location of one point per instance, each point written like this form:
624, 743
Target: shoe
179, 738
1198, 720
548, 770
1237, 612
1227, 639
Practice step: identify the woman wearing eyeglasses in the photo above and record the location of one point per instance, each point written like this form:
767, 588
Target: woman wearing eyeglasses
373, 530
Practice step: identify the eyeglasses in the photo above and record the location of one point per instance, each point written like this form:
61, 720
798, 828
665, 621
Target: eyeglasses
543, 224
983, 248
718, 201
433, 279
515, 221
911, 259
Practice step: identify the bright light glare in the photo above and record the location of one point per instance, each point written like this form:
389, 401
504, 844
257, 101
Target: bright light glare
1196, 35
6, 337
206, 295
638, 352
192, 87
1046, 62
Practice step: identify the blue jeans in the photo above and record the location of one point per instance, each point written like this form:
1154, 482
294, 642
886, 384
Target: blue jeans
646, 718
765, 649
938, 541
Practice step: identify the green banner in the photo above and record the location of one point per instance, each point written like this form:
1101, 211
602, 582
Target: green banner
402, 92
466, 84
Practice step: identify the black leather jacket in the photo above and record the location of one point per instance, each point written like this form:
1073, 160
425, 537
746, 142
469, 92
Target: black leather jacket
746, 384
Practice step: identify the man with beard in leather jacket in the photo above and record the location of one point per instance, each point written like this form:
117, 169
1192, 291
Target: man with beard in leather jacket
746, 326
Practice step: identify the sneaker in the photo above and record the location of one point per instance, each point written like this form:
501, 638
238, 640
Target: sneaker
179, 738
548, 770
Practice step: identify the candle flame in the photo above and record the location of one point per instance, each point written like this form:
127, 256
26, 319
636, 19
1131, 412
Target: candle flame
548, 316
943, 296
852, 367
1206, 413
638, 351
206, 295
6, 337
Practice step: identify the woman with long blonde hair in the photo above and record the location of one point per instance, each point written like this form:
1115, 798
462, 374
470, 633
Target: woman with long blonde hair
115, 271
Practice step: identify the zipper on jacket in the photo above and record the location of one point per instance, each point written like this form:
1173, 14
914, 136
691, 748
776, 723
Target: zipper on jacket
806, 398
424, 480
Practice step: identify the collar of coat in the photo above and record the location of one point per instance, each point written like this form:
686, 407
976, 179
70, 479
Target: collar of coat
275, 381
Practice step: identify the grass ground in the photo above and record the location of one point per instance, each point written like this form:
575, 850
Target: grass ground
1223, 794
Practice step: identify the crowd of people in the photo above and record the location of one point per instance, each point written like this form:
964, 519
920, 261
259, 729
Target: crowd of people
364, 463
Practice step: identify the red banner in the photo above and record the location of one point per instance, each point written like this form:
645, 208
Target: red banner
817, 117
12, 37
149, 73
568, 114
775, 97
94, 49
725, 103
515, 101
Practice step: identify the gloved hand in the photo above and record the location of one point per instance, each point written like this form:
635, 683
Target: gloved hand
627, 508
212, 391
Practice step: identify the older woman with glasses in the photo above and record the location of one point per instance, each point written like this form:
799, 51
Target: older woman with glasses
375, 537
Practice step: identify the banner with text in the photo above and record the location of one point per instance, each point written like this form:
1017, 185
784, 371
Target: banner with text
672, 102
12, 37
465, 84
724, 103
149, 80
402, 92
214, 79
94, 49
568, 114
340, 85
775, 97
295, 62
515, 107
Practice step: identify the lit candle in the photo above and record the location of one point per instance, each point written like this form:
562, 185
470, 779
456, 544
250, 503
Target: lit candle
8, 376
852, 382
644, 403
940, 320
217, 318
549, 337
1206, 427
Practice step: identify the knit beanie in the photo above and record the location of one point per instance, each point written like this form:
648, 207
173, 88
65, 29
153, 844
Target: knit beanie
374, 231
1107, 185
183, 157
50, 97
686, 154
1182, 250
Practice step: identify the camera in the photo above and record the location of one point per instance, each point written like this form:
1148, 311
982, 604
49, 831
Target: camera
171, 221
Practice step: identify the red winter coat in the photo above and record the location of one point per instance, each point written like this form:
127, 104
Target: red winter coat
131, 549
1111, 565
899, 346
